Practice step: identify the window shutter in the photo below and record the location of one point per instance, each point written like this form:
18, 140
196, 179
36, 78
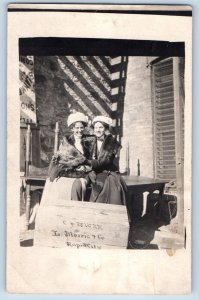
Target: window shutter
164, 120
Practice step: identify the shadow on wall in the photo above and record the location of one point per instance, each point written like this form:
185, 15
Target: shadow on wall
118, 71
94, 85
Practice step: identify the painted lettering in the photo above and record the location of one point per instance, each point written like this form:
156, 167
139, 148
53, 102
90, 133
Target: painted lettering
25, 120
26, 60
100, 237
83, 245
27, 106
55, 233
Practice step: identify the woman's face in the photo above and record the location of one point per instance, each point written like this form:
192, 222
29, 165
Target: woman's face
99, 129
78, 129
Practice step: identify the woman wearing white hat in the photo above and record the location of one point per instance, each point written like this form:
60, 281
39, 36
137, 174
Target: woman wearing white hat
69, 163
108, 187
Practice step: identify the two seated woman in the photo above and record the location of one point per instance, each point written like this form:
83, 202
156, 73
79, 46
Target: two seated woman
86, 160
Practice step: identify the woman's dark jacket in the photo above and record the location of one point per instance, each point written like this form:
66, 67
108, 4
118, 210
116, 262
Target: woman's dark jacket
107, 157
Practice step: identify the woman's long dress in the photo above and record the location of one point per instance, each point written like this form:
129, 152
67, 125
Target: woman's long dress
57, 192
109, 186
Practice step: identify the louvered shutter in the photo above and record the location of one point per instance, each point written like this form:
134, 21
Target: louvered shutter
164, 120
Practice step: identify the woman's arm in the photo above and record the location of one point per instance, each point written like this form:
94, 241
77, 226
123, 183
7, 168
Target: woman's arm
107, 162
103, 163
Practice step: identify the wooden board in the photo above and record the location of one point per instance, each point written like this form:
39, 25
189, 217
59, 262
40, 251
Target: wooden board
82, 225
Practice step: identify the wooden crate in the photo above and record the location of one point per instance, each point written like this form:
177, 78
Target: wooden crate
82, 225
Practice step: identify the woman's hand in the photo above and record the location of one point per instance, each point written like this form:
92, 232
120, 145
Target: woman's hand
80, 169
88, 168
83, 168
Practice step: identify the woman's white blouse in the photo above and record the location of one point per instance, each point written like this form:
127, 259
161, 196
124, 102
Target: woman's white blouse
78, 145
99, 145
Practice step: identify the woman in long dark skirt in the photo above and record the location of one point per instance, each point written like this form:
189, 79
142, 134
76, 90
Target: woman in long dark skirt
107, 186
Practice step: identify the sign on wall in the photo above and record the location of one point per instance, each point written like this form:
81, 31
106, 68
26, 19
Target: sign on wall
27, 90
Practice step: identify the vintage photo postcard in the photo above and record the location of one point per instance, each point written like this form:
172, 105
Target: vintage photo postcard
99, 149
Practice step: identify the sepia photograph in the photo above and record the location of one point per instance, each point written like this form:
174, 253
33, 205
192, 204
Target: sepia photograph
101, 129
103, 148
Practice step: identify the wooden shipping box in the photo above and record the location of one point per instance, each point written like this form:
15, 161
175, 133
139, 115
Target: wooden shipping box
82, 225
